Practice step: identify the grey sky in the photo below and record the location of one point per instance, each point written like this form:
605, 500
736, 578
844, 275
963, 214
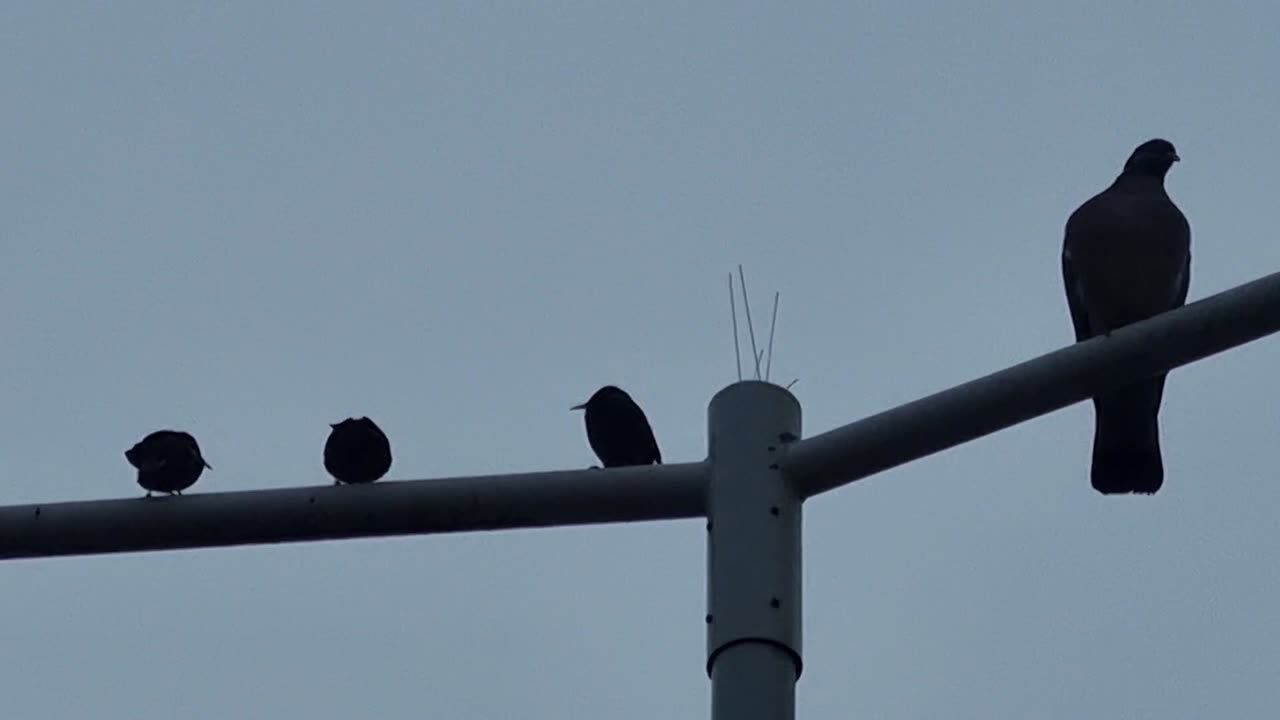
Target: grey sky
249, 220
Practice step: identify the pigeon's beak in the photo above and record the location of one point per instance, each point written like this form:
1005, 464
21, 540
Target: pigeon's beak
583, 406
1174, 157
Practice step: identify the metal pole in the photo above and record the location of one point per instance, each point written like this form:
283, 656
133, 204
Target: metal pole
1035, 387
753, 555
486, 502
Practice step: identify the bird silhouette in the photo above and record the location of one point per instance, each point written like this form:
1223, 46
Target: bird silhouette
357, 452
1126, 257
168, 461
617, 429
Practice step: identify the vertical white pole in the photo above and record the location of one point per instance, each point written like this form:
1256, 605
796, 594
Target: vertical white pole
753, 555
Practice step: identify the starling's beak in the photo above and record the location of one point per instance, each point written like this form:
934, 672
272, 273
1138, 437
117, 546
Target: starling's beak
1174, 157
583, 406
206, 463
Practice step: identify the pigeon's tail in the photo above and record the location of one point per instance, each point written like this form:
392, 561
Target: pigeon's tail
1126, 440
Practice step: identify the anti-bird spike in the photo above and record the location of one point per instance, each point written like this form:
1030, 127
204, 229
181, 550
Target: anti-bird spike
773, 325
733, 315
751, 330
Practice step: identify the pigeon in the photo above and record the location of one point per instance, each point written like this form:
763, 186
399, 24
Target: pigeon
1126, 257
168, 461
617, 429
357, 452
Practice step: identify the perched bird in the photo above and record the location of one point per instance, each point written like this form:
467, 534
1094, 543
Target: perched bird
168, 461
357, 452
617, 429
1126, 256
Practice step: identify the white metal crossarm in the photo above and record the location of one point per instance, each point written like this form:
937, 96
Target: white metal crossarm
490, 502
1033, 388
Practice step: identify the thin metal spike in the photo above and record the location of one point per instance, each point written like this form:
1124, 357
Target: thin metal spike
773, 325
733, 313
746, 305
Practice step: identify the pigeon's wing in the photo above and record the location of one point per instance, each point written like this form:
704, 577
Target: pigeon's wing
1079, 318
1184, 246
641, 423
1184, 282
1079, 240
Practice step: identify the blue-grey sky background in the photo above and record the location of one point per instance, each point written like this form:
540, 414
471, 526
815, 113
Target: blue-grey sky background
250, 220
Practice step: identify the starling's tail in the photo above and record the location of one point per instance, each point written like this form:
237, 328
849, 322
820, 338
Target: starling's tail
1126, 440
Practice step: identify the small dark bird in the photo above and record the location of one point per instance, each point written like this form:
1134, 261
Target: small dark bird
357, 452
168, 461
617, 429
1126, 257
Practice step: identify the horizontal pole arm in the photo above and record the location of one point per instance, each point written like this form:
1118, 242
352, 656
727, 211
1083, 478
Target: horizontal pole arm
1036, 387
407, 507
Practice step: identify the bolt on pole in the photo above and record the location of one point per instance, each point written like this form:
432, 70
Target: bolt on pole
753, 555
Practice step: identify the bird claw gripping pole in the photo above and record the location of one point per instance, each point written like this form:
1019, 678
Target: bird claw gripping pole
753, 555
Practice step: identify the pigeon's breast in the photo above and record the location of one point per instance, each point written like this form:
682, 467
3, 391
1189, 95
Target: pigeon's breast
1130, 253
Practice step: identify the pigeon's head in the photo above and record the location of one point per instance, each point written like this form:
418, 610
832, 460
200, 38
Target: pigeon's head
353, 423
139, 457
1152, 158
192, 448
606, 394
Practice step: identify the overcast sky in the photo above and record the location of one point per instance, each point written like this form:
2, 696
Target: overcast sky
249, 220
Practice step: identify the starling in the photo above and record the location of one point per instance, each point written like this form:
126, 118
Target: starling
1126, 257
357, 452
168, 461
617, 429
